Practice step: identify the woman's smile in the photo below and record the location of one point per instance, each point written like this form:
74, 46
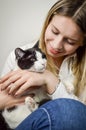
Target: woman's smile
54, 51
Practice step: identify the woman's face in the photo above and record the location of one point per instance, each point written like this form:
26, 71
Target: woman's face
62, 37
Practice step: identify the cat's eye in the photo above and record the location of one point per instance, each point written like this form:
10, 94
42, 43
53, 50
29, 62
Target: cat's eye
32, 59
30, 56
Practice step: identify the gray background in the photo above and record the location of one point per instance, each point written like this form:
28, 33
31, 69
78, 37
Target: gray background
20, 22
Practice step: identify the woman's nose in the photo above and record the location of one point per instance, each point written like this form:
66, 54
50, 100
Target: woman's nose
58, 43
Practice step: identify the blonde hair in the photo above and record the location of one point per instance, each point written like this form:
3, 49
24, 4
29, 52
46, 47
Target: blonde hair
77, 11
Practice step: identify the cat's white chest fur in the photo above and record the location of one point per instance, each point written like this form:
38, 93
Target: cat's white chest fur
15, 117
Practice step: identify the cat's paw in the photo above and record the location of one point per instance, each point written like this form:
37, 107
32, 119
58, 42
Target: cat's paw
70, 88
30, 102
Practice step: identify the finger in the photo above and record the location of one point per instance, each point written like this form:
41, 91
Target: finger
16, 101
24, 87
8, 75
16, 85
12, 77
27, 85
10, 80
2, 79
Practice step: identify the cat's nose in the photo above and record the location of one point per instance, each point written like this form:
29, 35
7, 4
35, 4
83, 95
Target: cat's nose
43, 63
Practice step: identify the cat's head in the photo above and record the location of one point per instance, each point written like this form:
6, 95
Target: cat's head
32, 59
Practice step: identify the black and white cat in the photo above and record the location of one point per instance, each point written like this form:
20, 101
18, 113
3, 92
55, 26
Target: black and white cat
32, 59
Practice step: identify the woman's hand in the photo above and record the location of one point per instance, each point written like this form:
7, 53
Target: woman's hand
19, 81
7, 101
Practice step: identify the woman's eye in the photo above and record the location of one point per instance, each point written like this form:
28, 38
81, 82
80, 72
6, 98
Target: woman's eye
70, 42
54, 32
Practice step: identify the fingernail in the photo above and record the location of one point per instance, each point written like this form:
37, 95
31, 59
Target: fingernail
17, 93
9, 91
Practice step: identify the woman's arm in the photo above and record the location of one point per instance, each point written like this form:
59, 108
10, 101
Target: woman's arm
20, 81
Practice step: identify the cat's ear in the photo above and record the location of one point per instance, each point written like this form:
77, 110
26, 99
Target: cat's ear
19, 53
36, 45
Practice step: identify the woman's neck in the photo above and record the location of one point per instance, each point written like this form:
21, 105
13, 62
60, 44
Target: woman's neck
58, 61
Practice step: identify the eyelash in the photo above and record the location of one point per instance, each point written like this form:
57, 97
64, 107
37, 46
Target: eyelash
54, 32
71, 43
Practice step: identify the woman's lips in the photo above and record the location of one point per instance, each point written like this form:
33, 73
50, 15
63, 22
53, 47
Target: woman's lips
53, 51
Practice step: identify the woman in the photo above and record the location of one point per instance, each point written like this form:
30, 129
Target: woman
63, 39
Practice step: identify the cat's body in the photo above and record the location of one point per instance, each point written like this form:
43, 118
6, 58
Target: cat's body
32, 59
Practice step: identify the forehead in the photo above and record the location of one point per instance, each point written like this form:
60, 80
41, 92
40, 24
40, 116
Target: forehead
67, 26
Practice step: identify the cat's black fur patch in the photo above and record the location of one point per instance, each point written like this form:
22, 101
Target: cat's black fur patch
3, 124
44, 101
11, 108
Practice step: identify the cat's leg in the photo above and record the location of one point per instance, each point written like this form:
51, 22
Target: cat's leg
69, 86
31, 103
67, 82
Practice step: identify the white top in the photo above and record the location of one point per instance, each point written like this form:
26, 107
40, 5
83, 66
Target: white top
63, 89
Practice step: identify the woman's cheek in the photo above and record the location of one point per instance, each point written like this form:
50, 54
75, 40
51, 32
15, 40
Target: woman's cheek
70, 49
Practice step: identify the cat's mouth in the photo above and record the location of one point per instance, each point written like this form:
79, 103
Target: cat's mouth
41, 69
37, 69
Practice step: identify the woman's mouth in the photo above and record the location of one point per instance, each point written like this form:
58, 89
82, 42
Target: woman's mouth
53, 51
